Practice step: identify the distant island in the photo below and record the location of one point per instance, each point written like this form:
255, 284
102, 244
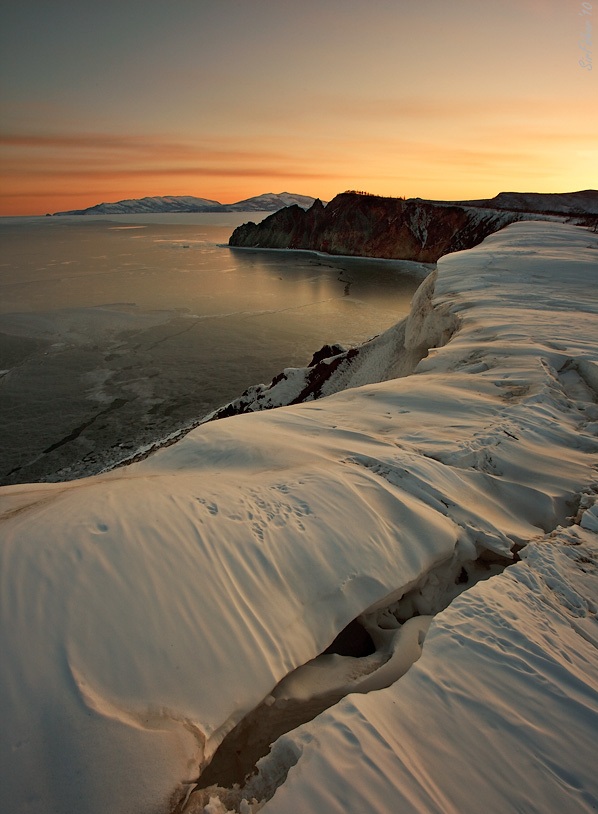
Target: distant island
268, 202
359, 224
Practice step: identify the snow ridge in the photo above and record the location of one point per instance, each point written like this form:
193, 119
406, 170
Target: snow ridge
145, 612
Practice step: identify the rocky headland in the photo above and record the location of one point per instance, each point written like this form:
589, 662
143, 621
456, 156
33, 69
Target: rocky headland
366, 225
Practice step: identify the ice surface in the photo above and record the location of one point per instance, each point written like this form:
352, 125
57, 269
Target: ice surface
144, 612
114, 335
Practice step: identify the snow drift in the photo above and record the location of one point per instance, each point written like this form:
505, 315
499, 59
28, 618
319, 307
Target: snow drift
147, 611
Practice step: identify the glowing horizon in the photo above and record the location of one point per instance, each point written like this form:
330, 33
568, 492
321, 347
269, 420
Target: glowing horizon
227, 100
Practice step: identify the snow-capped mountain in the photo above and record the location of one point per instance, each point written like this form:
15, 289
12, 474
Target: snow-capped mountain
271, 202
132, 206
268, 202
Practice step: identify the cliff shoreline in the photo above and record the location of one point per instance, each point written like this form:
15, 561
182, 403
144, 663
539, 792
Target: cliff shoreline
355, 224
417, 267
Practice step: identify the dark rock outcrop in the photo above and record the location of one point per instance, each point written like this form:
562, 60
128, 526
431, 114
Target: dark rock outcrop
372, 226
325, 352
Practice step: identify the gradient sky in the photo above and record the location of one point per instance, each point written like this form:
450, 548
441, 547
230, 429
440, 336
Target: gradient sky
224, 99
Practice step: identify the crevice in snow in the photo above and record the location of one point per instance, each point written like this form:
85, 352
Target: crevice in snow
579, 380
255, 758
353, 640
371, 653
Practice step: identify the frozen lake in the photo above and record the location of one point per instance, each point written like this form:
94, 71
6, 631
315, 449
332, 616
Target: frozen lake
116, 331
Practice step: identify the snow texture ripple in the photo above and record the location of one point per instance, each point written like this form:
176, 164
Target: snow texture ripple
146, 611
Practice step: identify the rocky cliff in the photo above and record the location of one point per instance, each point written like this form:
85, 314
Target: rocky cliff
372, 226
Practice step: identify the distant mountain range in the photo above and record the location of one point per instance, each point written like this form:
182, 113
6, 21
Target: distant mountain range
268, 202
568, 203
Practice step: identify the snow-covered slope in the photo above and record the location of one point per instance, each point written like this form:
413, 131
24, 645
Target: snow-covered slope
567, 203
144, 612
156, 203
500, 713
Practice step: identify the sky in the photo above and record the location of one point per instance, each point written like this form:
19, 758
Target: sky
226, 99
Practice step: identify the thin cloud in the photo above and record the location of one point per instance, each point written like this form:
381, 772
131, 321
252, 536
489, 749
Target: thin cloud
172, 172
102, 144
412, 108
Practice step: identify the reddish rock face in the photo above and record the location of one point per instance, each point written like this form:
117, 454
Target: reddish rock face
371, 226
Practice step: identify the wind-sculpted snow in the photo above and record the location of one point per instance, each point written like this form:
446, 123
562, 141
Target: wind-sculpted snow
499, 714
145, 612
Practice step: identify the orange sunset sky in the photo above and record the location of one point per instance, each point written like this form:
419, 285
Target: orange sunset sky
225, 99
